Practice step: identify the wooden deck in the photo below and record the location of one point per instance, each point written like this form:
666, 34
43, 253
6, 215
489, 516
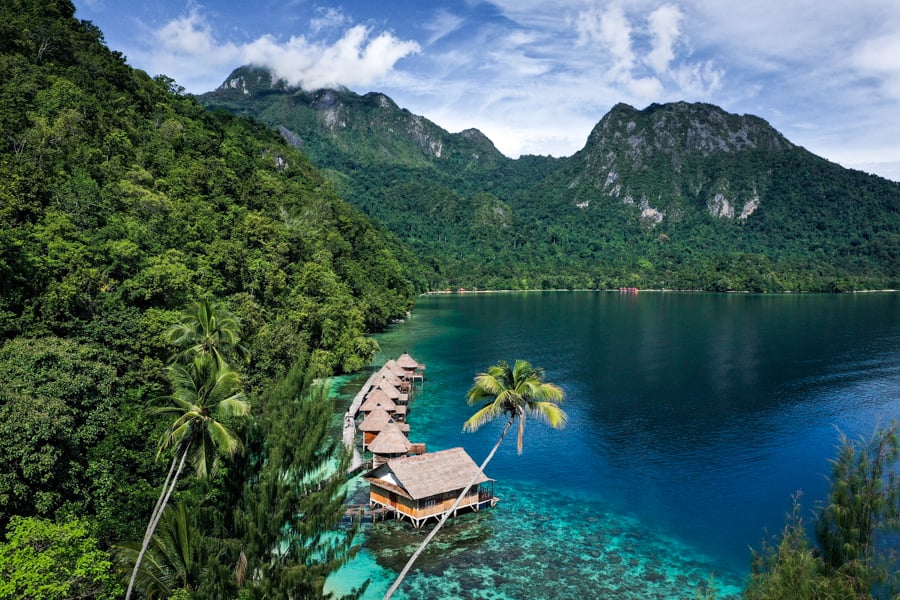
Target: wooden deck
420, 512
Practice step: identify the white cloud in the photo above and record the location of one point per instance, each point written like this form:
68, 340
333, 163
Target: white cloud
612, 31
356, 59
188, 50
880, 57
664, 28
189, 35
443, 24
328, 18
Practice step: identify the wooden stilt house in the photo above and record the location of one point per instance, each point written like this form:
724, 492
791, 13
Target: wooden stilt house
394, 379
426, 486
377, 399
375, 422
414, 371
390, 443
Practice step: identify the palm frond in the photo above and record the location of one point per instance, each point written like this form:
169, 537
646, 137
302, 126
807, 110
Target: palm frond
549, 413
224, 439
485, 414
233, 406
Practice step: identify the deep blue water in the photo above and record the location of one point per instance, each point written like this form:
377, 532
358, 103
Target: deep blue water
693, 418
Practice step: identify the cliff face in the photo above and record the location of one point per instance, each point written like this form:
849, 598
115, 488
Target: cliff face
669, 157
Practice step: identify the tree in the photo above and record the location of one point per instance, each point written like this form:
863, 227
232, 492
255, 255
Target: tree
793, 568
43, 559
293, 501
207, 328
849, 562
864, 500
178, 557
207, 396
512, 392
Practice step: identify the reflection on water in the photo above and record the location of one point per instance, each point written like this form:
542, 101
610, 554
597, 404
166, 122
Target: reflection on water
693, 418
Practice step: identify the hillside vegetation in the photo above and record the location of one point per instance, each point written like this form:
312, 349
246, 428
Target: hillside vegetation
673, 196
122, 202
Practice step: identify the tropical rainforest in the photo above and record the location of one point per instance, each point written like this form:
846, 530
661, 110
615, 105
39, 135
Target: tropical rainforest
129, 211
675, 196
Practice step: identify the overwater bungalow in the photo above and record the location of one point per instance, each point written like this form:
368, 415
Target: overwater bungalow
392, 366
375, 422
393, 379
392, 392
390, 443
413, 370
377, 399
426, 486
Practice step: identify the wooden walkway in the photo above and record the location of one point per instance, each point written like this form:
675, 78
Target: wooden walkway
349, 436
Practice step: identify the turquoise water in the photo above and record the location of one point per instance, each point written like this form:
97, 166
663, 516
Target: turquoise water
693, 418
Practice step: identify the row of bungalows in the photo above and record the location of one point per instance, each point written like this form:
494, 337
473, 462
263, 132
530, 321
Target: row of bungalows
405, 480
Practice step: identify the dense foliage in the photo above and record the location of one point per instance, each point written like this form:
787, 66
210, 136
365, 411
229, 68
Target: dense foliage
48, 561
653, 200
122, 201
854, 557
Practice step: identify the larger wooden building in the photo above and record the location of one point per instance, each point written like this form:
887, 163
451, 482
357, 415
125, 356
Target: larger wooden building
426, 486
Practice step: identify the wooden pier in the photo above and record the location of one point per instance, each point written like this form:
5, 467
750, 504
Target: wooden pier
349, 436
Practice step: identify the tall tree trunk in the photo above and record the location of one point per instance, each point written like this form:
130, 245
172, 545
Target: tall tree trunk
168, 488
428, 538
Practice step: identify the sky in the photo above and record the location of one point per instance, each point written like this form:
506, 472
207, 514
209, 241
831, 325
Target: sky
535, 76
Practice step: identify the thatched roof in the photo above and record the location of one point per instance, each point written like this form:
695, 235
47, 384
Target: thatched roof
390, 377
428, 474
377, 398
407, 362
376, 420
385, 386
394, 368
390, 441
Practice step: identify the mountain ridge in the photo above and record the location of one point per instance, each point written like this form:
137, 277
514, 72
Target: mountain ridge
679, 194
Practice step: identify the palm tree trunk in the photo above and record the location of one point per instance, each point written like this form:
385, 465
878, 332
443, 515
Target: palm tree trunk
428, 538
148, 534
168, 488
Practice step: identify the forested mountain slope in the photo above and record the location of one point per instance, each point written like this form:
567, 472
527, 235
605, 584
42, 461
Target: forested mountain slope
122, 201
677, 195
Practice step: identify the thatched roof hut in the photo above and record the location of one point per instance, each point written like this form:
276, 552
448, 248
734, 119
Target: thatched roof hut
390, 443
392, 366
408, 363
391, 377
426, 486
375, 422
391, 392
375, 399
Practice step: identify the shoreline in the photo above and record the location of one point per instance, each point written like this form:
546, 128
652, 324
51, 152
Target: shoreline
466, 291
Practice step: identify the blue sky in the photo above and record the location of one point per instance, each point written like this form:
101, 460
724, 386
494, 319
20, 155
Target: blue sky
536, 75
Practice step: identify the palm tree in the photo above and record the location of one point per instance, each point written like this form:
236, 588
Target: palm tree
512, 392
178, 556
207, 396
207, 328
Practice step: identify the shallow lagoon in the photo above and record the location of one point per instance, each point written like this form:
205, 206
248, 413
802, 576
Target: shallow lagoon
693, 418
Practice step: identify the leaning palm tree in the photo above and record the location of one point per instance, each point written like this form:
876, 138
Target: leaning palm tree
515, 393
207, 396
